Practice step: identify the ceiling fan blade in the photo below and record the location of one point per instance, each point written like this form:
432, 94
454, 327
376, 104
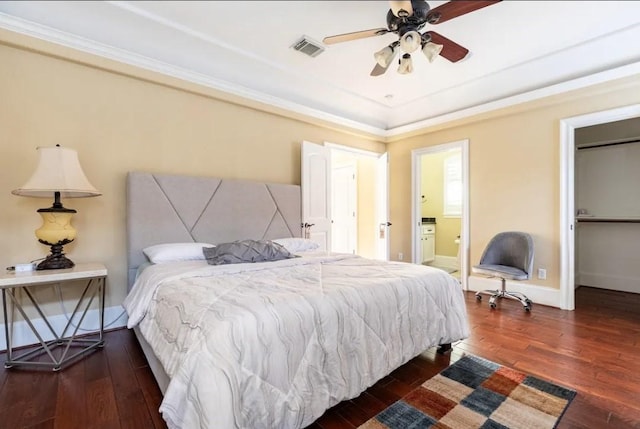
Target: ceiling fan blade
450, 49
378, 70
401, 9
456, 8
330, 40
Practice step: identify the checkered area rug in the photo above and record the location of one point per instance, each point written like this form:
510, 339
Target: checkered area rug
475, 393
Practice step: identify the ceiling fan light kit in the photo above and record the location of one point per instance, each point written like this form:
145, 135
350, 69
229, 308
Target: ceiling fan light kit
401, 8
385, 56
406, 64
410, 41
431, 50
406, 19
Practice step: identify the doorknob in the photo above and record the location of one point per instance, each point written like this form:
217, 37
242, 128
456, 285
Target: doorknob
389, 224
307, 229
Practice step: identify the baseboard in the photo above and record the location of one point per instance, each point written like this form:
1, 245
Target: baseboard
537, 294
607, 281
23, 336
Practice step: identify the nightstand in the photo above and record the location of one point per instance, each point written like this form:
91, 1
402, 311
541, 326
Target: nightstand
65, 346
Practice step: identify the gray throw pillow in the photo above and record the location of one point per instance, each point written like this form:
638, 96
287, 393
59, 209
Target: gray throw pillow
238, 252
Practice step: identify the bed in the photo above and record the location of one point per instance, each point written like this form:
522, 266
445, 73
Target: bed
268, 344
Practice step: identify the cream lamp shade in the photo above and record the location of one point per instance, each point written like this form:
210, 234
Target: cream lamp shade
431, 50
406, 64
410, 41
385, 56
58, 170
58, 174
401, 9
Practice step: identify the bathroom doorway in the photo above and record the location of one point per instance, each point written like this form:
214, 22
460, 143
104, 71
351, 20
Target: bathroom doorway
440, 215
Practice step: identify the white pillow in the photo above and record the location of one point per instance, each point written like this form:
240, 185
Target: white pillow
168, 252
297, 244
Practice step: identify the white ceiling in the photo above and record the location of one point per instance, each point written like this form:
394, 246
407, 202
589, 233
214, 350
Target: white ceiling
244, 47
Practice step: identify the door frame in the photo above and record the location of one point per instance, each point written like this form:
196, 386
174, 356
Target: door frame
416, 175
382, 206
567, 191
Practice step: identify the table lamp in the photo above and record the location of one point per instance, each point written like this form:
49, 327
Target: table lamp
57, 175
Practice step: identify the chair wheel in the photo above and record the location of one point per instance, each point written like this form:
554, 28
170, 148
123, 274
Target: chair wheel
527, 309
528, 305
478, 297
493, 305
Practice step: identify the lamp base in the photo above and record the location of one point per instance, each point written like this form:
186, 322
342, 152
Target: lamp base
56, 260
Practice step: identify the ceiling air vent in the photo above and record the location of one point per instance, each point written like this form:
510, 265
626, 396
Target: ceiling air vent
308, 46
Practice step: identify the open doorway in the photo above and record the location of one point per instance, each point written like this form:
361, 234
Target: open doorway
355, 201
355, 181
570, 278
440, 204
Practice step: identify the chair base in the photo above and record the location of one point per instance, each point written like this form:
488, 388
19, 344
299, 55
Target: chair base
503, 293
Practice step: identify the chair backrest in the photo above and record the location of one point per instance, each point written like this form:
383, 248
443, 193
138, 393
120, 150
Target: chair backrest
512, 249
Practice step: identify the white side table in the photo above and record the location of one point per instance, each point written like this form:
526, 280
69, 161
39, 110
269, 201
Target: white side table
91, 276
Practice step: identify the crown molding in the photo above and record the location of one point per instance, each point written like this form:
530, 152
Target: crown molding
51, 35
570, 85
48, 34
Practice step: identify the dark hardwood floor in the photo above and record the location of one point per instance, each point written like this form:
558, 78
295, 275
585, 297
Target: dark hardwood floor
595, 350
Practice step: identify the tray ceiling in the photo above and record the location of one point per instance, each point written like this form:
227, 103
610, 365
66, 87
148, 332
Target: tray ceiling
245, 48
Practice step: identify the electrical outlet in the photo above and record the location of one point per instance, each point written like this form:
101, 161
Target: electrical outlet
542, 273
400, 256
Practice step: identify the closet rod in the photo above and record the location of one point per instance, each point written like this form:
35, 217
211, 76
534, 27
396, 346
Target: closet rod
613, 143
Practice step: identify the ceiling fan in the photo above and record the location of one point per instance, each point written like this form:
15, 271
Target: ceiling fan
406, 19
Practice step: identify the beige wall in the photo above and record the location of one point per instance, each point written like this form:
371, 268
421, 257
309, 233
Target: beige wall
514, 161
367, 206
121, 119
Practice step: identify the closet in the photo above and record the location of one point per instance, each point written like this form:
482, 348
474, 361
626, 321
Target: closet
607, 201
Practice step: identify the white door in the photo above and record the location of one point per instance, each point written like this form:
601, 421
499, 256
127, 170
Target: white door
316, 194
382, 206
344, 221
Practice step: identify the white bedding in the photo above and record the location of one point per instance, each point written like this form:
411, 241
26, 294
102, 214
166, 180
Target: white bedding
273, 345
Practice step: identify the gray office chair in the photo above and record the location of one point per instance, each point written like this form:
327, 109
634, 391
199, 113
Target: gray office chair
508, 256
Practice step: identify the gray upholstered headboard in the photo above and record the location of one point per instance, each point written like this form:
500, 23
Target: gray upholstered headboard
164, 208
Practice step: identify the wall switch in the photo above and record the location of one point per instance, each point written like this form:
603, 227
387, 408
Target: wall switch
542, 273
400, 256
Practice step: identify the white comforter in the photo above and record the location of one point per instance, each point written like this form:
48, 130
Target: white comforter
273, 345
